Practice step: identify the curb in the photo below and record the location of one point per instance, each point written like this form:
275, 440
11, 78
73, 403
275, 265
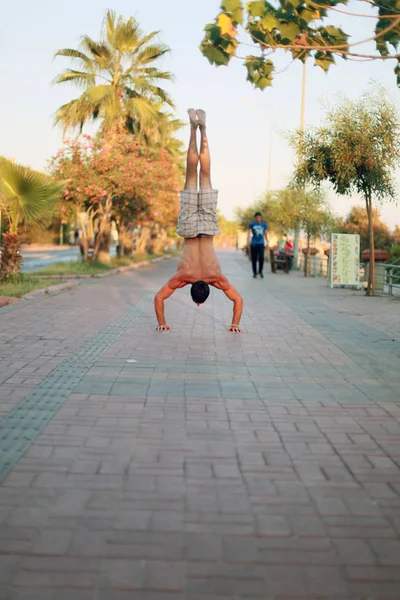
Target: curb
47, 291
115, 271
62, 287
52, 289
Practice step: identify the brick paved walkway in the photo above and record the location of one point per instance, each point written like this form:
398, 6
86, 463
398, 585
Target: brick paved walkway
216, 466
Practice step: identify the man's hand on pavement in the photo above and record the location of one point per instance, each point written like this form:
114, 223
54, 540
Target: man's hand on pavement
235, 329
164, 327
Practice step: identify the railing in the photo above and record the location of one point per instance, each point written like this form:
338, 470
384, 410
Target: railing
387, 277
318, 265
392, 278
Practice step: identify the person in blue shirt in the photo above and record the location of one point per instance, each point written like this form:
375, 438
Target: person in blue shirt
257, 240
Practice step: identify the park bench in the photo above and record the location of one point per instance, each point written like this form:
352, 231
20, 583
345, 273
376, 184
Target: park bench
279, 261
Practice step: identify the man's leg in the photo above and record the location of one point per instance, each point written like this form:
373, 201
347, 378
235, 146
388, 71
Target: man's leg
208, 198
188, 215
205, 160
254, 256
192, 159
261, 252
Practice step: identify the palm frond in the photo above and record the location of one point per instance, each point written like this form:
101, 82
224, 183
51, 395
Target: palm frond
79, 78
98, 94
145, 40
151, 53
158, 92
29, 195
70, 53
109, 26
154, 73
100, 51
127, 35
140, 109
74, 114
102, 100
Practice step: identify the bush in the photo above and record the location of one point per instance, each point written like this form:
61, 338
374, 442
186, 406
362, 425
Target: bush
394, 254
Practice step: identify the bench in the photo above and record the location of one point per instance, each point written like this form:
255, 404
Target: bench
279, 261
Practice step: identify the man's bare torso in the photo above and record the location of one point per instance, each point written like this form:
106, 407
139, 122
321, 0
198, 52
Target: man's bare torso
199, 262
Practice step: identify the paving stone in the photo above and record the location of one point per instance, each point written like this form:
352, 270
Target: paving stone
257, 466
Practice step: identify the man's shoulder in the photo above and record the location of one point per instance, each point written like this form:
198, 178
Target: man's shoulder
220, 282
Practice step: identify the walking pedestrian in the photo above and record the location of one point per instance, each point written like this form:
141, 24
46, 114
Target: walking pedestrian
257, 241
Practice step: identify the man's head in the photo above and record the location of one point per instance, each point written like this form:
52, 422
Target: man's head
258, 217
200, 291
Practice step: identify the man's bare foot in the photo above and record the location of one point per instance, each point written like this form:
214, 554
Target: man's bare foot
193, 117
201, 117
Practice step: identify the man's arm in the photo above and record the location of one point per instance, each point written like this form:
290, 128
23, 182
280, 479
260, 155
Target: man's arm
266, 236
249, 236
166, 291
231, 293
237, 300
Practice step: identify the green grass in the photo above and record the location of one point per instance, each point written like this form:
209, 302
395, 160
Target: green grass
77, 267
74, 267
23, 285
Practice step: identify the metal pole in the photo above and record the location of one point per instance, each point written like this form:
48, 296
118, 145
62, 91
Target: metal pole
270, 157
303, 97
302, 122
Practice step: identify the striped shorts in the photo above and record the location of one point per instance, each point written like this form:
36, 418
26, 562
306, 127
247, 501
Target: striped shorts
198, 213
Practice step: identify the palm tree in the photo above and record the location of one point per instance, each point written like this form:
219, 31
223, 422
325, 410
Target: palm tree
161, 134
117, 75
26, 197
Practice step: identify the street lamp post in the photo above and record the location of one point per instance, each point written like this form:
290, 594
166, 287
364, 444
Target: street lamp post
302, 122
270, 157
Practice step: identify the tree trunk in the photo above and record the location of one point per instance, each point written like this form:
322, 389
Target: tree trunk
161, 241
371, 275
307, 257
11, 258
126, 240
103, 238
157, 240
84, 243
143, 239
103, 242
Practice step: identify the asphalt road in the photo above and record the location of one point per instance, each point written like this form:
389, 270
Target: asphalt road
34, 260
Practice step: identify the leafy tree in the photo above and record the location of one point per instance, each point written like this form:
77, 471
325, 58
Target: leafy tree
245, 216
26, 198
396, 234
356, 151
300, 29
394, 254
117, 75
120, 180
285, 210
315, 218
356, 222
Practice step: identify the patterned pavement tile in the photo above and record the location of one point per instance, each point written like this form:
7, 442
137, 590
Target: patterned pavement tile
263, 465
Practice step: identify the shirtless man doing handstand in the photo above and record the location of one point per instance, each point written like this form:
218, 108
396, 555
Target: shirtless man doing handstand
198, 223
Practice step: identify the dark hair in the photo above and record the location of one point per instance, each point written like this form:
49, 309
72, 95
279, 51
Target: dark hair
200, 292
258, 214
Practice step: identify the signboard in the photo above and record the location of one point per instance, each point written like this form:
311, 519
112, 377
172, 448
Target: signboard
344, 260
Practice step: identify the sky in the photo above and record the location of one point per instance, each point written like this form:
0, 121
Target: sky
238, 131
